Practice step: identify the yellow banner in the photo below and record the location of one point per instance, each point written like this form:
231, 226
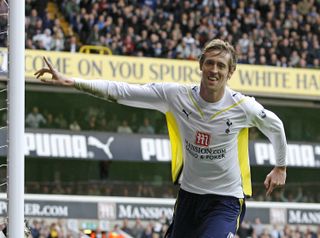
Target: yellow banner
268, 80
260, 80
116, 68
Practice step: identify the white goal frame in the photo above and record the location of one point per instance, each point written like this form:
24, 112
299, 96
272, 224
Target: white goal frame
16, 111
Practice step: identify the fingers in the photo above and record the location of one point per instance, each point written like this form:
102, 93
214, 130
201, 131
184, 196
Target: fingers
56, 77
49, 70
267, 182
270, 189
41, 72
48, 64
270, 186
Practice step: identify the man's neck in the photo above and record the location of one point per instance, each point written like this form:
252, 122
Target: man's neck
210, 96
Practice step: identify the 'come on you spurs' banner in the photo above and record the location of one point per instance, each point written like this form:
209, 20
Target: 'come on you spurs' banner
250, 79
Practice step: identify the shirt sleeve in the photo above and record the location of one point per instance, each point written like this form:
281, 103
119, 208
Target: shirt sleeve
150, 96
271, 126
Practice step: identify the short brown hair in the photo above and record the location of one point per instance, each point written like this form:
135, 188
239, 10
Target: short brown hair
222, 46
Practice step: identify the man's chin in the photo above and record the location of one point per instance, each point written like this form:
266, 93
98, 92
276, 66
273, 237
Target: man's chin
213, 86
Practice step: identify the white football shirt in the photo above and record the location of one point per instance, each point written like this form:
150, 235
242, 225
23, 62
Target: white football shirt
209, 141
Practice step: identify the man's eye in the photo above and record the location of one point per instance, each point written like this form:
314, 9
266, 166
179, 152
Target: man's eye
222, 66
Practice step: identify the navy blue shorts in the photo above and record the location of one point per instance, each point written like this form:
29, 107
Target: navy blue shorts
206, 216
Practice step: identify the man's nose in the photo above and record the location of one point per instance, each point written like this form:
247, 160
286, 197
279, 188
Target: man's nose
214, 68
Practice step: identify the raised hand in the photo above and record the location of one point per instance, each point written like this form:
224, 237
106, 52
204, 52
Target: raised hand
56, 77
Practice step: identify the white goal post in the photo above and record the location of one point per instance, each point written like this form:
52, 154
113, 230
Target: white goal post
16, 109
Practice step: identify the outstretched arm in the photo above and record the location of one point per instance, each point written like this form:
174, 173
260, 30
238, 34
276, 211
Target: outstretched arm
56, 77
151, 96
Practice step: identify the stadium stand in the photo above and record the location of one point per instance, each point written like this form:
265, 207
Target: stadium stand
279, 33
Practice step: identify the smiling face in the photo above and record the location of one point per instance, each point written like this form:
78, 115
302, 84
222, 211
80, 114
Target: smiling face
215, 74
215, 70
217, 64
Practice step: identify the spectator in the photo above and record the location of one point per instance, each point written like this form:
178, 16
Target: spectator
138, 229
74, 126
44, 40
276, 231
72, 45
116, 232
146, 128
92, 123
53, 231
147, 232
50, 122
125, 227
316, 63
94, 36
294, 59
258, 227
245, 230
61, 121
244, 43
114, 122
124, 127
58, 41
103, 125
34, 17
35, 229
35, 119
30, 44
134, 122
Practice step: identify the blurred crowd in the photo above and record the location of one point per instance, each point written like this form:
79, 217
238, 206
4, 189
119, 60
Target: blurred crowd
279, 32
58, 228
122, 229
103, 188
259, 230
95, 120
41, 228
